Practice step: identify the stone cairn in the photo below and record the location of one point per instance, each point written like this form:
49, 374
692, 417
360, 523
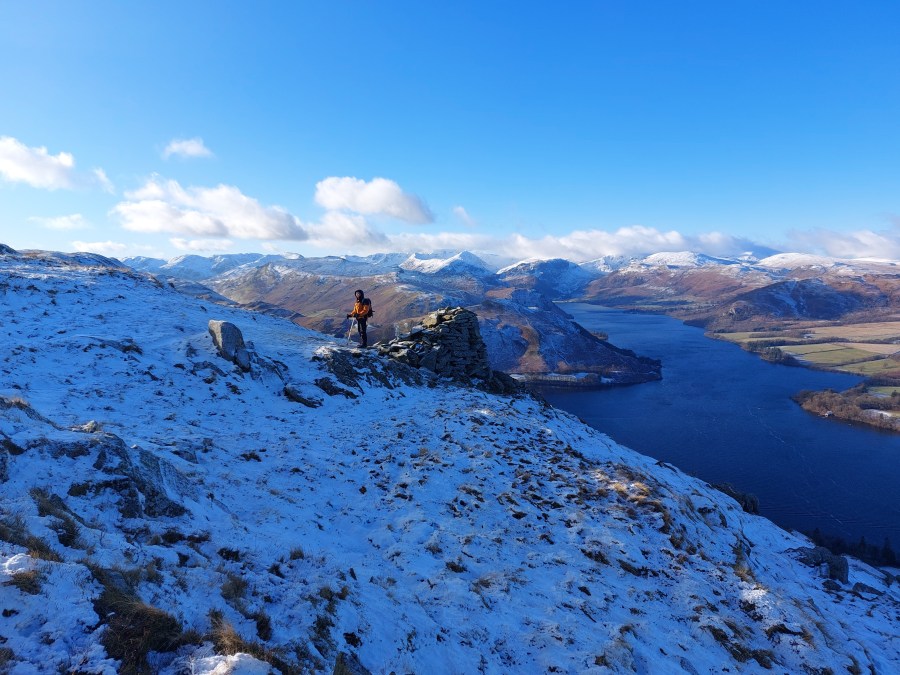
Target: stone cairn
448, 342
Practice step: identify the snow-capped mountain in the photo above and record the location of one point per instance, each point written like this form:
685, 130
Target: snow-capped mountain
687, 259
196, 267
460, 263
162, 508
556, 278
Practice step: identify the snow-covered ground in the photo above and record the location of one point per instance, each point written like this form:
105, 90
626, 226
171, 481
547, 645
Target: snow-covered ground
421, 526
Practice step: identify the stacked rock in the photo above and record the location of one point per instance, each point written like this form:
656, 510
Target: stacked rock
448, 342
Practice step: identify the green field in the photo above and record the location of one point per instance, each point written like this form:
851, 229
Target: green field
828, 354
862, 349
872, 368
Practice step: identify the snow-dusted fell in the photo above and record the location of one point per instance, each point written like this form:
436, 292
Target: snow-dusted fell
789, 261
556, 277
608, 263
460, 263
687, 259
160, 508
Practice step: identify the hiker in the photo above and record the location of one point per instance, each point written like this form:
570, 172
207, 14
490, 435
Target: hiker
362, 310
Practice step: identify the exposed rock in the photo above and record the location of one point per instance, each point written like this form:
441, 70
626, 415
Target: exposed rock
293, 392
230, 343
6, 250
144, 491
348, 664
448, 342
10, 447
329, 386
748, 501
838, 568
865, 591
352, 367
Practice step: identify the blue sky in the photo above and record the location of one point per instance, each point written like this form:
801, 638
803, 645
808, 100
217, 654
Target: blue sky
530, 129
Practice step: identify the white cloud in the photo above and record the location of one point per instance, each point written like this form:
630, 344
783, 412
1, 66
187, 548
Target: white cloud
346, 230
858, 244
111, 248
201, 244
103, 181
38, 168
187, 148
35, 166
464, 216
379, 196
446, 241
221, 211
74, 221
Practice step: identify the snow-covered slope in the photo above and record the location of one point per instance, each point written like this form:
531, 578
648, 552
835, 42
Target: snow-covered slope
427, 529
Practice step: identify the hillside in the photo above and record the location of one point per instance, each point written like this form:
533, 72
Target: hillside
161, 507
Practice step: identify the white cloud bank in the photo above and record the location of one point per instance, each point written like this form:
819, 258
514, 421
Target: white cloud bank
38, 168
884, 244
221, 211
201, 244
211, 218
187, 148
110, 248
579, 245
380, 196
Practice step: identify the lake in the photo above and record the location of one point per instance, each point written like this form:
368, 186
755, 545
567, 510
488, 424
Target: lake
725, 415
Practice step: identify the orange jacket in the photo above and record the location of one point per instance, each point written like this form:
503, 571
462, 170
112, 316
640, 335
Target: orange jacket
361, 309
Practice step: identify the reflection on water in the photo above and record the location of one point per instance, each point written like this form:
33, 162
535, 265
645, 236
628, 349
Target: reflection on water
726, 416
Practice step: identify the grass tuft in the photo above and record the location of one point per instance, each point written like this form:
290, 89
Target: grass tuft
28, 582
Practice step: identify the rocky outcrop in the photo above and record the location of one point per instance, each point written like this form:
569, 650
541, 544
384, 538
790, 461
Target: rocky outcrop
448, 342
6, 250
230, 343
749, 502
348, 664
838, 567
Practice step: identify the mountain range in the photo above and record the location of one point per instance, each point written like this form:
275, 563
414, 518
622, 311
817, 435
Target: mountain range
164, 509
526, 332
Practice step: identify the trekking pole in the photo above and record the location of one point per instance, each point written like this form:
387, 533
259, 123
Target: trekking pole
350, 331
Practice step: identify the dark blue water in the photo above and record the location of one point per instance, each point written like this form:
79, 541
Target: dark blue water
725, 415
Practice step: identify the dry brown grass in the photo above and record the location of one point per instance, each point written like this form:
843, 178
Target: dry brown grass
134, 629
16, 532
28, 582
228, 641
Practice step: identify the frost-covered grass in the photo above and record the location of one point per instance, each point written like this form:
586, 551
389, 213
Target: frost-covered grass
426, 528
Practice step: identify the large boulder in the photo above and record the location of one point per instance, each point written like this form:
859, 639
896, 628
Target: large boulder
837, 566
448, 342
230, 343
